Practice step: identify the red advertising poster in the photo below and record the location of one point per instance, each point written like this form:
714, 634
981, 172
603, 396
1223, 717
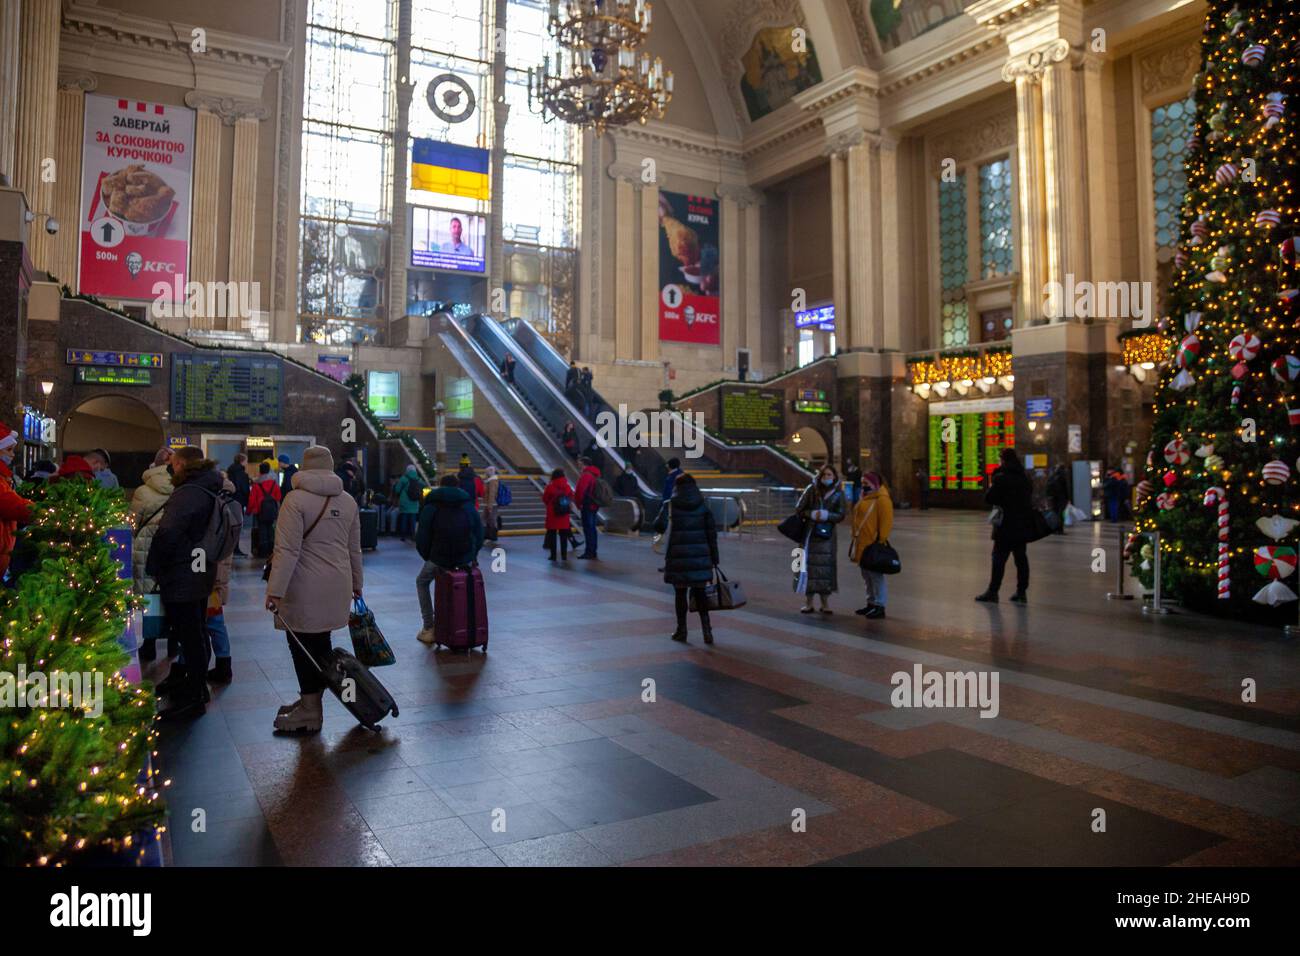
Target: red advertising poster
137, 160
688, 269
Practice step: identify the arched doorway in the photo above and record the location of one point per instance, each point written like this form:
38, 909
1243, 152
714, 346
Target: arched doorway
809, 445
123, 426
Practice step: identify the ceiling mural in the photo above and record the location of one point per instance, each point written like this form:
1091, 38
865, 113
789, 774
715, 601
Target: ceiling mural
774, 70
897, 21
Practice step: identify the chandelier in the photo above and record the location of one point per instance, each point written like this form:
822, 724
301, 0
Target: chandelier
599, 78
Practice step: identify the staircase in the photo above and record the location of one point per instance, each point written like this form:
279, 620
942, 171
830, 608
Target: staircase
526, 513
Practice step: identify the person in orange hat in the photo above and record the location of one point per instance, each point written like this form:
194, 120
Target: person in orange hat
14, 508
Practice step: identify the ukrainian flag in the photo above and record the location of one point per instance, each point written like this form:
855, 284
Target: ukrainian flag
448, 168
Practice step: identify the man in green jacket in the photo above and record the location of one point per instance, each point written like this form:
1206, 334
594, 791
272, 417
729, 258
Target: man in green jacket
407, 495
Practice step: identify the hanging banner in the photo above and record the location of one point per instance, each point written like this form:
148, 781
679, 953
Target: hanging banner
137, 160
689, 287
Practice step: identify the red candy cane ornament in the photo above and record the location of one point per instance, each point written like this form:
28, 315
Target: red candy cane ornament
1217, 496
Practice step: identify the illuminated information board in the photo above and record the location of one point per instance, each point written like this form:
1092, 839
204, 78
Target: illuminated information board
100, 375
752, 412
227, 388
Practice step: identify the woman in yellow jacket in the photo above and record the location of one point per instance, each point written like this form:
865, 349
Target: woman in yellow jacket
873, 519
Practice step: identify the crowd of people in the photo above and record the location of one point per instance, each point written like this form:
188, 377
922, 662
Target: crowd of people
306, 525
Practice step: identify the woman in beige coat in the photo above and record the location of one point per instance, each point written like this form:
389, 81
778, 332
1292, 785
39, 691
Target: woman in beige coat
147, 505
315, 573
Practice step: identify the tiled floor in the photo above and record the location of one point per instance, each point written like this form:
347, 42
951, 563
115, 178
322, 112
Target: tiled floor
585, 737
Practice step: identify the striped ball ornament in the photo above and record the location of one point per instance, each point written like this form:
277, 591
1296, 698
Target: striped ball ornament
1285, 368
1268, 218
1276, 472
1254, 54
1225, 174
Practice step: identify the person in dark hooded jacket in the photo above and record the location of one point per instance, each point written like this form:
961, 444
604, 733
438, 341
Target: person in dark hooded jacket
692, 552
1010, 490
185, 591
449, 535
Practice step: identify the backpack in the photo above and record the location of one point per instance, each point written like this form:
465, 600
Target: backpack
561, 506
412, 489
224, 524
601, 494
451, 535
268, 509
504, 496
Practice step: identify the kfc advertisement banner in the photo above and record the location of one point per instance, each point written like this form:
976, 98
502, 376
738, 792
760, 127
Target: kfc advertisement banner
137, 163
688, 270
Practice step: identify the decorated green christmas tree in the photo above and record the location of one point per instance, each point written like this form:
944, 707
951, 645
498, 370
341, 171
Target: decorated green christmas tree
74, 733
1220, 482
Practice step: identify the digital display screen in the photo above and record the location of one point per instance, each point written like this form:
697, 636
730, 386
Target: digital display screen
966, 446
98, 375
752, 412
455, 241
227, 388
384, 393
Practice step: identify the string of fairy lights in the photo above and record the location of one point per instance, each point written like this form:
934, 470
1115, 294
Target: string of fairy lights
1229, 379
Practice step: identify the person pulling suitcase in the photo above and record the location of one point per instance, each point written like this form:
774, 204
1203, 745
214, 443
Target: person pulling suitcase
315, 574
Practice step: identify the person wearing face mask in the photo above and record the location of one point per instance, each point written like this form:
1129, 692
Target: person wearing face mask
822, 507
14, 508
147, 505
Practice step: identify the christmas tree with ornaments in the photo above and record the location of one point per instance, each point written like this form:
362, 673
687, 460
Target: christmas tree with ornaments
1221, 481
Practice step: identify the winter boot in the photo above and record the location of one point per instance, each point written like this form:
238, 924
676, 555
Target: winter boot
303, 718
221, 674
174, 681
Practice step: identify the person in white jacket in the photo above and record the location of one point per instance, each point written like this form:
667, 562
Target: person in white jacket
315, 574
147, 503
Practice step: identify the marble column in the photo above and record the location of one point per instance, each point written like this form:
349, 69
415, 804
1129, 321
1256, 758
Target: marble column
1065, 171
205, 195
741, 308
243, 212
624, 268
649, 293
10, 31
753, 337
839, 247
1031, 200
862, 249
67, 188
38, 67
398, 240
729, 279
892, 254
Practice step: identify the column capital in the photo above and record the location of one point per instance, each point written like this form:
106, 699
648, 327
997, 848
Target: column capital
623, 172
840, 143
741, 195
229, 109
1033, 64
72, 81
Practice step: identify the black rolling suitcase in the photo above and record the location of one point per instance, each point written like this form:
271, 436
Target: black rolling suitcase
352, 683
369, 529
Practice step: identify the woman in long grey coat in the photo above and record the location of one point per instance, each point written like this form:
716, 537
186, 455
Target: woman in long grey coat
822, 507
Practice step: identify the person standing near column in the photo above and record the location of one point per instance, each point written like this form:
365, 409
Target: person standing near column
873, 520
587, 507
1010, 490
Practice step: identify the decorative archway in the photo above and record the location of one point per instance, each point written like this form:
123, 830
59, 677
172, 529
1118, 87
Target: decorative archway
122, 425
811, 445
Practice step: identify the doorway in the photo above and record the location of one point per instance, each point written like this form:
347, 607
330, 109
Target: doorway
123, 426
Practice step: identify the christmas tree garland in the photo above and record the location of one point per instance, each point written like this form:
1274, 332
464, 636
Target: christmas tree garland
70, 775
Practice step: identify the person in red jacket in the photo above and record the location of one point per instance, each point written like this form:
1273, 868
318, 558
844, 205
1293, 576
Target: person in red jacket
264, 505
587, 506
14, 508
558, 498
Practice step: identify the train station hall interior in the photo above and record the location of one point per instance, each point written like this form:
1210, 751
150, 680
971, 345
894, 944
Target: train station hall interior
942, 352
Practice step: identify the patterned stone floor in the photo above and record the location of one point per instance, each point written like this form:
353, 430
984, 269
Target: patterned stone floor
543, 752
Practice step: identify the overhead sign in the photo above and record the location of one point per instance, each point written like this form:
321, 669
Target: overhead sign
178, 441
813, 401
89, 357
137, 163
823, 319
337, 367
689, 285
455, 241
100, 375
1038, 408
384, 393
1003, 403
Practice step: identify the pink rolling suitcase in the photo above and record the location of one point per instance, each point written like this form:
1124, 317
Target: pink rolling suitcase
460, 618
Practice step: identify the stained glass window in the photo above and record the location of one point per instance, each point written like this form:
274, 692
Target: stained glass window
1171, 125
955, 320
996, 255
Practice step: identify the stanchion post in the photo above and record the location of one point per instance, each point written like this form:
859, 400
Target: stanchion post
1118, 594
1155, 607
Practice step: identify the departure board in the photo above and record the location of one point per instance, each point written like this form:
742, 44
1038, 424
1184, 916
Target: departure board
227, 388
966, 447
752, 412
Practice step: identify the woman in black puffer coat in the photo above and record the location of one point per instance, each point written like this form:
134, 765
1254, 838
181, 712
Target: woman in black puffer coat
692, 550
822, 507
